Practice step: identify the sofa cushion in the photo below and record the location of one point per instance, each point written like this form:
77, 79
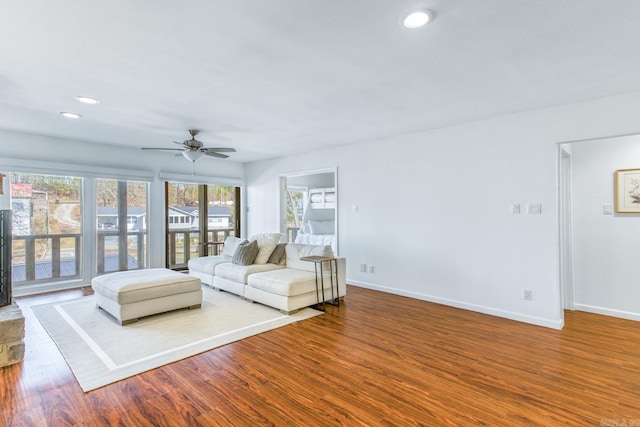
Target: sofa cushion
287, 282
266, 244
278, 254
295, 251
245, 254
239, 273
207, 264
230, 245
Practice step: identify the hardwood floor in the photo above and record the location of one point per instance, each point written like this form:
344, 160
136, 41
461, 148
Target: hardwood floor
379, 359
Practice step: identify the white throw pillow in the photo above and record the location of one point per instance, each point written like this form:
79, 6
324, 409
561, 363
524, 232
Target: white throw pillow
321, 227
230, 245
266, 244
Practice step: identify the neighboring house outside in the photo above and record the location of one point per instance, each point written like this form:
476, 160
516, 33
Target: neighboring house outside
21, 195
107, 218
26, 204
182, 217
219, 217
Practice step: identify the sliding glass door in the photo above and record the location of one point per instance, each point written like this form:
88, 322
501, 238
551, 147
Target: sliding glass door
198, 219
121, 225
46, 228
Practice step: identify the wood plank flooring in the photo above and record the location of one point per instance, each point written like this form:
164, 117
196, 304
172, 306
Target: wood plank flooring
377, 360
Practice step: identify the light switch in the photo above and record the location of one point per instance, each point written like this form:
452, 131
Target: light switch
354, 208
607, 209
534, 208
515, 208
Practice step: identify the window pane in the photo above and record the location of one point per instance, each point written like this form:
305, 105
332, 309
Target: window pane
183, 235
187, 206
295, 209
221, 212
121, 222
137, 223
46, 227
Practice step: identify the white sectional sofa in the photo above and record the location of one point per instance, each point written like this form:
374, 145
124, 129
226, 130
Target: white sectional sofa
233, 278
204, 267
287, 286
294, 287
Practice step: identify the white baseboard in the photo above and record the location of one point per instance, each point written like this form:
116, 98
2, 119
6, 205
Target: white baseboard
629, 315
548, 323
40, 288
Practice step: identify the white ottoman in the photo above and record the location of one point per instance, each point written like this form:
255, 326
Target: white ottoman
129, 295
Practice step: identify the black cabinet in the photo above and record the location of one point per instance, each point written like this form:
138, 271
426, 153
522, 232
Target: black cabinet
5, 257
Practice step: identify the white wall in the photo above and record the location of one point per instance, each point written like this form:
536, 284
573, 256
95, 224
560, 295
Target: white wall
606, 247
454, 240
313, 180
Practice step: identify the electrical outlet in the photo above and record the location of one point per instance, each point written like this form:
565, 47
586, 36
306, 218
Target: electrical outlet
534, 208
371, 269
526, 294
363, 268
515, 208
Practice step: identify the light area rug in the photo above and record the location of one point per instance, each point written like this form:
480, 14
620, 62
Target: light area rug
99, 351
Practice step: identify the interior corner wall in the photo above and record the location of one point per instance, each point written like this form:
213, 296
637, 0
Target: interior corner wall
606, 247
434, 208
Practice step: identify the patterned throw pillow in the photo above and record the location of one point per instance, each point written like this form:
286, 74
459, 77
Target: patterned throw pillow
245, 254
266, 243
277, 254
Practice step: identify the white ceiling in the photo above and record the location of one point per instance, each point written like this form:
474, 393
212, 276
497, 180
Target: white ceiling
278, 77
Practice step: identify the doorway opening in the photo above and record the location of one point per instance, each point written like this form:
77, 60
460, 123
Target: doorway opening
309, 208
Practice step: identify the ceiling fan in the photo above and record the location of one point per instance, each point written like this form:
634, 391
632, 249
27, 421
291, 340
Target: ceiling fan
192, 149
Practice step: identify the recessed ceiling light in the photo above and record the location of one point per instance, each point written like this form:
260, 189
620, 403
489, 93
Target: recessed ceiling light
417, 18
69, 115
87, 100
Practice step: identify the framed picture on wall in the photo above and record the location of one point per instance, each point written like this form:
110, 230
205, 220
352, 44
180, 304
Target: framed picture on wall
627, 190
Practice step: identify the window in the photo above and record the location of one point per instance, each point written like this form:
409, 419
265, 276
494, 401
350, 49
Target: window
295, 198
187, 236
121, 202
46, 228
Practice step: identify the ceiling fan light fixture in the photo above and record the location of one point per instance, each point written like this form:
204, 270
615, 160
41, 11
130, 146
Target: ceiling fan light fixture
192, 155
417, 18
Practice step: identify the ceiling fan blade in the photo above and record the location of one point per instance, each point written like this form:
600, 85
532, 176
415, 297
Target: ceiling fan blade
194, 146
218, 155
222, 150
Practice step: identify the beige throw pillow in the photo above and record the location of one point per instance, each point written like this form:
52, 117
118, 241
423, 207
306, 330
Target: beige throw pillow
278, 254
266, 244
